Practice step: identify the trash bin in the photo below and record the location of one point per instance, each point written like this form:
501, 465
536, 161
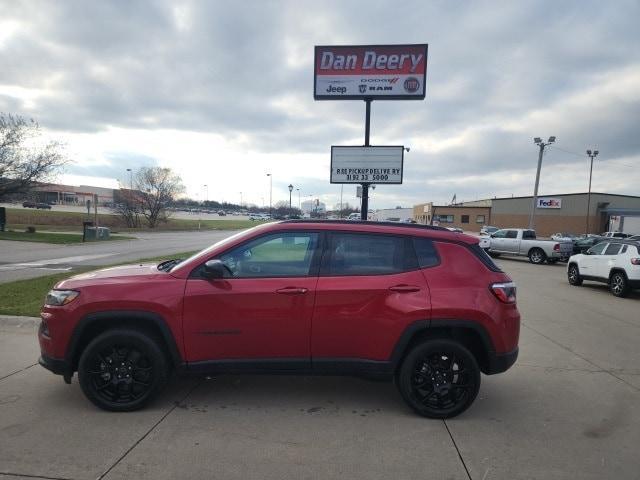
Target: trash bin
102, 233
85, 227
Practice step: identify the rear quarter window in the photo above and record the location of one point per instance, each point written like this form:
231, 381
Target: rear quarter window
425, 252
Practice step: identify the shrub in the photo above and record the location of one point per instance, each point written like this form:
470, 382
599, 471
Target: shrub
30, 229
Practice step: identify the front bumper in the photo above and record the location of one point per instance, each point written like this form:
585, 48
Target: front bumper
501, 362
56, 365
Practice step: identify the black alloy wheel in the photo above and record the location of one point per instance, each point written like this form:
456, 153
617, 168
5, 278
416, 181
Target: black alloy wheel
439, 379
573, 275
122, 370
618, 284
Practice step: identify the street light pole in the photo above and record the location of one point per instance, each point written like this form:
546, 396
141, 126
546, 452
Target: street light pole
538, 141
270, 193
206, 188
290, 190
591, 155
130, 179
240, 199
299, 205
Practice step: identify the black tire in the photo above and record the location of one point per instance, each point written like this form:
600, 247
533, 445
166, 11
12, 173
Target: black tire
573, 275
439, 378
493, 254
122, 370
618, 284
552, 261
537, 256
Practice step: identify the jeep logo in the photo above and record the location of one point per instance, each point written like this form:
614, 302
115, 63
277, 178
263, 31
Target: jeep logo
340, 90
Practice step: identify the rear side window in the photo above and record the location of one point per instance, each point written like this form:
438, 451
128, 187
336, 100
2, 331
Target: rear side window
368, 254
529, 235
613, 249
425, 252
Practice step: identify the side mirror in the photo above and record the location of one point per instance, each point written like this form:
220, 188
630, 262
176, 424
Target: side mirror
214, 269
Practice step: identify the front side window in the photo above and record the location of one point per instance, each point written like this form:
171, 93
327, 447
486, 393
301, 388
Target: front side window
277, 255
367, 254
512, 234
500, 234
597, 249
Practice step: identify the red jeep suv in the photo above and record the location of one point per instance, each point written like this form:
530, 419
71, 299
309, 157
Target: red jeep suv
420, 305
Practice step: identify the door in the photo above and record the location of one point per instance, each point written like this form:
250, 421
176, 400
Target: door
369, 290
511, 242
498, 240
262, 309
589, 263
608, 260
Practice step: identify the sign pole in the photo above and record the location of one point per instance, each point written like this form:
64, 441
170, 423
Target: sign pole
364, 210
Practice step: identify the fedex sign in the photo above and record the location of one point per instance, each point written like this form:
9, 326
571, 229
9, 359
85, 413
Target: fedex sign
549, 203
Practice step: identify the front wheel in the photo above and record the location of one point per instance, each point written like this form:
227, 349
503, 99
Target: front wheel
122, 370
618, 284
573, 275
537, 256
439, 378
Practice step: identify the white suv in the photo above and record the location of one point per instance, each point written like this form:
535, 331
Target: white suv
615, 261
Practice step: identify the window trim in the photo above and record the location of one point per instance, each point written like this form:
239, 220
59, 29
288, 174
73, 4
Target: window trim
314, 266
326, 256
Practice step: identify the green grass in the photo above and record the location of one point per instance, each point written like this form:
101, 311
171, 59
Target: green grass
25, 297
51, 237
19, 219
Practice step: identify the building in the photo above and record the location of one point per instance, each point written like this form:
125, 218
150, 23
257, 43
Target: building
313, 206
553, 213
469, 218
72, 195
392, 215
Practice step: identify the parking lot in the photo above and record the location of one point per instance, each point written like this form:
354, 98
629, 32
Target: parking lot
567, 409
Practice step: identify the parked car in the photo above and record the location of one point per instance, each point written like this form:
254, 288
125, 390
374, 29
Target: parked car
615, 262
634, 238
615, 235
417, 304
581, 245
221, 213
43, 206
523, 242
488, 230
455, 229
564, 236
28, 204
354, 216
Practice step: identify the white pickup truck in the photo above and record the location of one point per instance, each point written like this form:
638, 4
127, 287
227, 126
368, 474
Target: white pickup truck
522, 242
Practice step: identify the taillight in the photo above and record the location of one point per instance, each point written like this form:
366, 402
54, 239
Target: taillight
505, 292
556, 247
635, 261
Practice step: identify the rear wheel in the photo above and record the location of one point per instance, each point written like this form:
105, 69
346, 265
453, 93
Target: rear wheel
122, 370
537, 256
573, 275
618, 284
439, 378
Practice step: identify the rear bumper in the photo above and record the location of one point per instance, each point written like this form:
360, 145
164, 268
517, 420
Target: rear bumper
501, 362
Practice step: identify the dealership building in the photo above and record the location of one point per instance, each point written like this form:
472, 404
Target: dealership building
553, 213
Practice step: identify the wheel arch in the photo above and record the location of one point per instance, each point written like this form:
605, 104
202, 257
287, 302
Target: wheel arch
96, 323
469, 333
618, 270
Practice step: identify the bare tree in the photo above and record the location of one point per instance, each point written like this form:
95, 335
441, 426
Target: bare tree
128, 206
157, 188
23, 162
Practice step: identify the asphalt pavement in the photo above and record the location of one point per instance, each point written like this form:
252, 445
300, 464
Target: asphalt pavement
20, 260
568, 409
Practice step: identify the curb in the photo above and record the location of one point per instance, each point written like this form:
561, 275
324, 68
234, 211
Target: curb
16, 321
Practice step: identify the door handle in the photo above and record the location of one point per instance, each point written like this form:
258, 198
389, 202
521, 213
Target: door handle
404, 288
291, 290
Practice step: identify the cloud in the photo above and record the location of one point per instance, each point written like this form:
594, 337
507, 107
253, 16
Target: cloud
234, 81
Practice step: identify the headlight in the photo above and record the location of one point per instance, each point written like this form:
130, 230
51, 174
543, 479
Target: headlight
57, 298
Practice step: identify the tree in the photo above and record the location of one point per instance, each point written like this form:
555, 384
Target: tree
24, 158
157, 188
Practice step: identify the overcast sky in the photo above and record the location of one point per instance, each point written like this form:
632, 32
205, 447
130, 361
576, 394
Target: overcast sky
222, 92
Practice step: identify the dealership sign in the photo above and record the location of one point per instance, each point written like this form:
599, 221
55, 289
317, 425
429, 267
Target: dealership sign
353, 164
391, 72
549, 203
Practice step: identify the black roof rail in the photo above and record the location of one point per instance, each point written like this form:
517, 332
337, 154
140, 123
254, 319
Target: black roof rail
368, 222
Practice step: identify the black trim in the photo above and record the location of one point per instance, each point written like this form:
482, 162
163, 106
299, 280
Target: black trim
123, 315
59, 366
468, 324
253, 366
352, 366
501, 362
